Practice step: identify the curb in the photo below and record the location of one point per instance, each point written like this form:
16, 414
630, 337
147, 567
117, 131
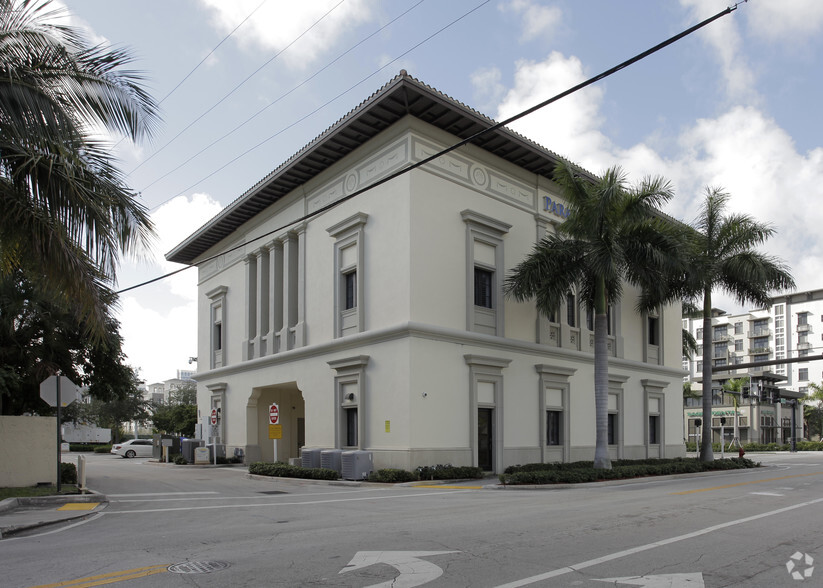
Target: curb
12, 504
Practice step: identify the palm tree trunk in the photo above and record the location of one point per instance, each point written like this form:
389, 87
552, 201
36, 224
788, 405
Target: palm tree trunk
601, 379
706, 452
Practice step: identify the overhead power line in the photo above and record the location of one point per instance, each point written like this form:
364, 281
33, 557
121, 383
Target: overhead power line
461, 143
276, 100
233, 90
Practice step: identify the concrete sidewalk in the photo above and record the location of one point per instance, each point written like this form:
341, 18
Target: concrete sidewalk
24, 514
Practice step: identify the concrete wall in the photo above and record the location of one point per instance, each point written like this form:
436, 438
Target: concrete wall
28, 452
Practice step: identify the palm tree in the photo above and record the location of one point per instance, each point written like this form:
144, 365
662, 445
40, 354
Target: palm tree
67, 212
721, 254
614, 233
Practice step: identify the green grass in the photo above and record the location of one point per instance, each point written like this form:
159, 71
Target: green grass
34, 491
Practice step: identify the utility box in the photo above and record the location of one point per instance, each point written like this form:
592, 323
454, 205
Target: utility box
187, 447
161, 441
310, 457
219, 448
201, 455
332, 459
357, 465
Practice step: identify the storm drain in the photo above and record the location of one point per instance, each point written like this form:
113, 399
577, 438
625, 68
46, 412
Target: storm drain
271, 492
197, 567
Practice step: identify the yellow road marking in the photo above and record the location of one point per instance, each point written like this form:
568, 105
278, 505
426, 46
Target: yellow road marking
79, 506
448, 487
110, 578
745, 483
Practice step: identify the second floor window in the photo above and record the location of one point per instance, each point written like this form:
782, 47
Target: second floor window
483, 280
350, 290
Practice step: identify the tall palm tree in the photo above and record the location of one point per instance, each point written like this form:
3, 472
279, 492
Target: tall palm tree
67, 212
721, 253
613, 234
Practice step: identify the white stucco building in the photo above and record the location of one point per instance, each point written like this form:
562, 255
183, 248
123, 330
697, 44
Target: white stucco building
371, 310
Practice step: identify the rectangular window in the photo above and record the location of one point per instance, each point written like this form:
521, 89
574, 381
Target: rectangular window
738, 328
738, 344
351, 427
483, 281
803, 374
802, 319
554, 418
654, 429
654, 335
612, 428
350, 288
571, 308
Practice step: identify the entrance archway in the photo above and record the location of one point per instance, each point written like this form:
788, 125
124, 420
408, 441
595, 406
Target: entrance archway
292, 410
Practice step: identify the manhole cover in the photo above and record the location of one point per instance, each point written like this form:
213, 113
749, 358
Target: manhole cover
197, 567
270, 492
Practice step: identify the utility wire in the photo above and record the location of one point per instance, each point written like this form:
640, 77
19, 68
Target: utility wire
275, 101
461, 143
325, 104
233, 90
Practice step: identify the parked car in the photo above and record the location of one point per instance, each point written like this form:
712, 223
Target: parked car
133, 448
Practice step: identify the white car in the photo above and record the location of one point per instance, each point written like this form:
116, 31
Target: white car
133, 448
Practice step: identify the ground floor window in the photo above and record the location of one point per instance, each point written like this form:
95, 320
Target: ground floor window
612, 428
351, 427
554, 420
654, 429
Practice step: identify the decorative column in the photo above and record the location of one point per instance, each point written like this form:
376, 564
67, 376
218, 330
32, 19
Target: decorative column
275, 302
251, 307
262, 302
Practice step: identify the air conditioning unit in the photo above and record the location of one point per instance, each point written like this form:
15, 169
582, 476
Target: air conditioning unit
357, 465
310, 457
332, 459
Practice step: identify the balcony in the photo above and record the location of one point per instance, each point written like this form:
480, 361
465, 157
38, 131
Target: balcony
759, 350
804, 328
722, 338
804, 345
760, 332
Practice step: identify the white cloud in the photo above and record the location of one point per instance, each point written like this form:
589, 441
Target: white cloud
723, 36
538, 20
570, 126
488, 89
159, 322
277, 24
784, 21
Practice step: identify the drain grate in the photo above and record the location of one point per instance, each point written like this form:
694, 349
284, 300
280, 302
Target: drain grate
271, 492
197, 567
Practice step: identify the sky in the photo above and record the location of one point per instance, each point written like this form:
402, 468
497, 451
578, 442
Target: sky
245, 84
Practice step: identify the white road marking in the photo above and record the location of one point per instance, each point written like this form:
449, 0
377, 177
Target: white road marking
662, 543
766, 493
159, 494
413, 570
264, 504
255, 497
661, 581
60, 530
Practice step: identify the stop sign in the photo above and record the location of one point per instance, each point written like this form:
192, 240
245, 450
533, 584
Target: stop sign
213, 416
274, 414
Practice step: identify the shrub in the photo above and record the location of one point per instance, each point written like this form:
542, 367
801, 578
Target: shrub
102, 449
283, 470
449, 472
178, 459
68, 473
392, 476
577, 472
80, 447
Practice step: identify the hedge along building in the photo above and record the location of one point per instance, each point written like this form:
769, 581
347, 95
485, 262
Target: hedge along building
379, 323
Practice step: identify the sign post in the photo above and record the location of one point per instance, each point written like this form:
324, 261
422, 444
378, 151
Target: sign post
274, 419
213, 421
50, 392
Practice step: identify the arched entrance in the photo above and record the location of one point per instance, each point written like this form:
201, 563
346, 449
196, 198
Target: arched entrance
292, 408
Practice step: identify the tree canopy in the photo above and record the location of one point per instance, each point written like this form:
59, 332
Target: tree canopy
614, 233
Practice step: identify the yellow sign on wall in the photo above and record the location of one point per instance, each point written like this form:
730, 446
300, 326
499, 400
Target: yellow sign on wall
388, 426
275, 431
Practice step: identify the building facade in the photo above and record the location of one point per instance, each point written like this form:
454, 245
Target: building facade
791, 327
371, 310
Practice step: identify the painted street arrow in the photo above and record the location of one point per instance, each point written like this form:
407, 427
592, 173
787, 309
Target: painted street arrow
413, 571
662, 581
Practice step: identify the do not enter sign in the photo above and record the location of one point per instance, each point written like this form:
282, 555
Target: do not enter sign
213, 416
274, 414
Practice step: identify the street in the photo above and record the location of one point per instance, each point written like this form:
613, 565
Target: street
751, 528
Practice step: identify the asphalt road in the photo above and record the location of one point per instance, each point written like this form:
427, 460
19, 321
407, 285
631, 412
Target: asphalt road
723, 529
